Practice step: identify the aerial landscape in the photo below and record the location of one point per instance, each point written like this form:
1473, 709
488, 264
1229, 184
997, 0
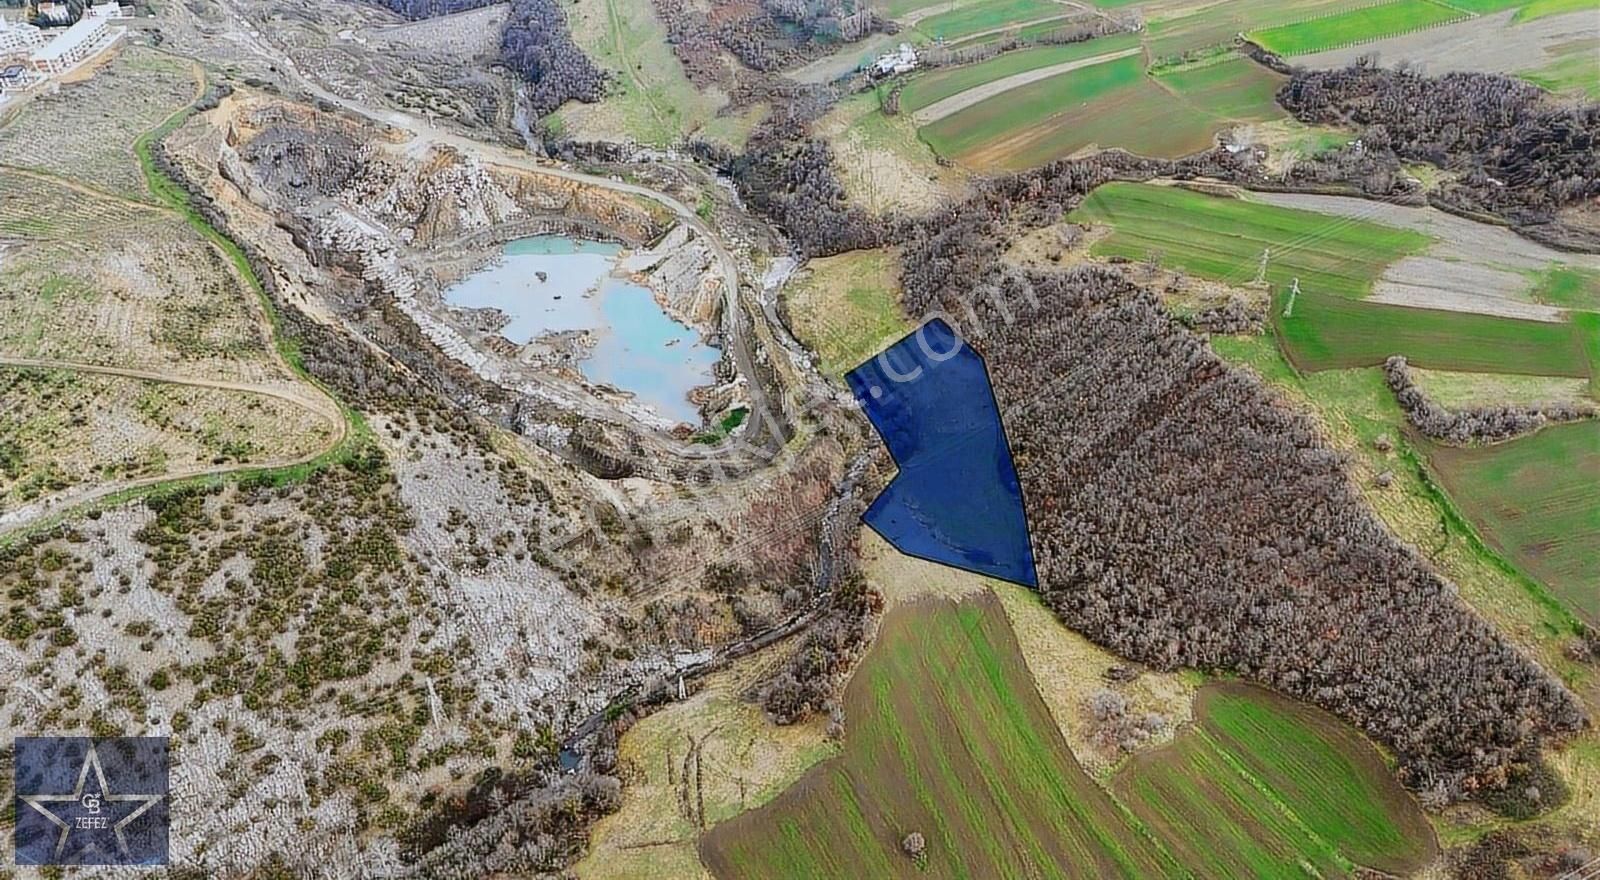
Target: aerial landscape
747, 439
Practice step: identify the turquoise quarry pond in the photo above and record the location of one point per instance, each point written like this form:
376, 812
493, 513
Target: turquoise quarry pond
639, 348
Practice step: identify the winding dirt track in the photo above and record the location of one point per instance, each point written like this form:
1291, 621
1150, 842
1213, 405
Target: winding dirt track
14, 520
311, 399
320, 405
765, 424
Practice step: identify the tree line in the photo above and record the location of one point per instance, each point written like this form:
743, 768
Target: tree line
1517, 153
534, 43
537, 45
1488, 424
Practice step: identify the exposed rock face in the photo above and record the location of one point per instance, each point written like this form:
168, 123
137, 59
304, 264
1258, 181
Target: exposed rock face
681, 270
441, 198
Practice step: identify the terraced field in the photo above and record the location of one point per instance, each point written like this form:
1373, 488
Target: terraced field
948, 738
132, 349
150, 295
1111, 104
1322, 332
1355, 26
1537, 501
1223, 238
60, 429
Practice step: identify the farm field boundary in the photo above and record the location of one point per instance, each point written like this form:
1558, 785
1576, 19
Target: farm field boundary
948, 739
1537, 501
1224, 239
1320, 332
1114, 103
924, 111
1355, 27
352, 430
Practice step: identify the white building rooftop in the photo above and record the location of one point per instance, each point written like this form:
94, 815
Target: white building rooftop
69, 39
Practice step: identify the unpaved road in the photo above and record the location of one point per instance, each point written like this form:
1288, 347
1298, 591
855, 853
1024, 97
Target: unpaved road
325, 407
426, 135
318, 404
308, 397
961, 101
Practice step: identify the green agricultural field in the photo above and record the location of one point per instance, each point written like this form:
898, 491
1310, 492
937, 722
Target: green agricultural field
1113, 104
947, 737
1537, 501
1223, 238
1267, 787
939, 84
1569, 288
1542, 8
985, 16
1323, 770
1215, 820
651, 100
1263, 786
1355, 408
897, 9
845, 308
1217, 24
1326, 332
1228, 86
1527, 10
1356, 26
1573, 73
1587, 326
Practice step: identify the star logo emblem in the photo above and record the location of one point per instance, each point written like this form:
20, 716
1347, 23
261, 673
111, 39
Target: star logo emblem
99, 820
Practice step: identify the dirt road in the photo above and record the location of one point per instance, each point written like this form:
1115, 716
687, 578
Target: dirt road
28, 514
765, 426
962, 100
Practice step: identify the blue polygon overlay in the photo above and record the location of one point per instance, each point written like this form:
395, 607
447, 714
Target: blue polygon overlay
91, 800
956, 500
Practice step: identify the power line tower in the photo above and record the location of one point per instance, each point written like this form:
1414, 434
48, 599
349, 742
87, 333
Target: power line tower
1294, 291
1261, 270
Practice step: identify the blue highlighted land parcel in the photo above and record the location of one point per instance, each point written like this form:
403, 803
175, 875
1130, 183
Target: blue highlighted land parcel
956, 500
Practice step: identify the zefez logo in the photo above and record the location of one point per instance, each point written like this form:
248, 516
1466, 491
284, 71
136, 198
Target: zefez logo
91, 801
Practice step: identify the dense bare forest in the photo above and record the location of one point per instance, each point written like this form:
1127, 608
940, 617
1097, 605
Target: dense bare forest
537, 45
1517, 153
764, 37
1183, 517
418, 9
845, 20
